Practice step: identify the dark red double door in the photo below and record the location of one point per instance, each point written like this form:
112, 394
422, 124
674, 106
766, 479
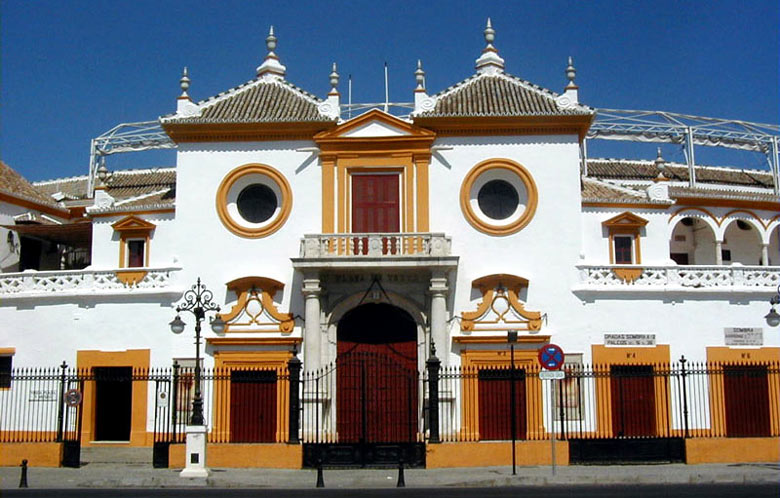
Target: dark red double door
376, 376
375, 209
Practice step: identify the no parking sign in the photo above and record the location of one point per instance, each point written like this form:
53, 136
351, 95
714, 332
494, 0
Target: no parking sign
551, 357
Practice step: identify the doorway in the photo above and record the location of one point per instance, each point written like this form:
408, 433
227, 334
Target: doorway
113, 403
746, 393
633, 401
252, 406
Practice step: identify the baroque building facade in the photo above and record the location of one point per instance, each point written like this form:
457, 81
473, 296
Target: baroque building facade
473, 220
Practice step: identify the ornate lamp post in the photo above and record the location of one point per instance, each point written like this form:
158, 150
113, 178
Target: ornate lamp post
197, 301
773, 317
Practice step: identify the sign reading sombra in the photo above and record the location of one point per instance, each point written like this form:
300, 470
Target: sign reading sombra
743, 336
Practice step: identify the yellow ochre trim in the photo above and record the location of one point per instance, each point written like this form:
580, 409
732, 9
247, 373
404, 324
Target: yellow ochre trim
130, 277
7, 351
494, 453
226, 361
249, 169
135, 358
605, 357
717, 356
472, 360
490, 228
233, 455
133, 228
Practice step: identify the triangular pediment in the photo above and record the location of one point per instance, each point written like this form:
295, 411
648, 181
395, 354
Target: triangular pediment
374, 124
133, 223
625, 220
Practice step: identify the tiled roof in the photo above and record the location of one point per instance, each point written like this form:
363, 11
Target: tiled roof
271, 100
698, 193
15, 184
597, 191
499, 95
621, 169
122, 185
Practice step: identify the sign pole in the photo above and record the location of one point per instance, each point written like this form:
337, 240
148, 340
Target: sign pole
552, 424
512, 338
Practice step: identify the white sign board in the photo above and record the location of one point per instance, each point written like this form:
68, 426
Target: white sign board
162, 399
552, 374
744, 336
629, 339
42, 395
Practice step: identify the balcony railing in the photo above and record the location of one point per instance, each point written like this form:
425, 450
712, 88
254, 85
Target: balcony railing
375, 245
665, 278
81, 282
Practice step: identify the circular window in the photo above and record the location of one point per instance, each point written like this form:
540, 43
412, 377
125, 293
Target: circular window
254, 200
498, 197
256, 203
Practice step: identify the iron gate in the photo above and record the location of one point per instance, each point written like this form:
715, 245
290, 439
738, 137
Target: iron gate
362, 410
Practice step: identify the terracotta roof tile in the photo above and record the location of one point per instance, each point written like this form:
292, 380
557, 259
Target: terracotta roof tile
499, 95
260, 100
15, 184
597, 191
621, 169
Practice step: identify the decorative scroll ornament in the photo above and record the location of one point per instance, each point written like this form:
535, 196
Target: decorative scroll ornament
500, 308
255, 309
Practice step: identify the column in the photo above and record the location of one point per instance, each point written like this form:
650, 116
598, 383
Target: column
718, 252
764, 254
438, 321
312, 335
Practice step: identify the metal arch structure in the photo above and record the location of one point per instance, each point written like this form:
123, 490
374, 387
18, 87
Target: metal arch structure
687, 130
125, 137
609, 124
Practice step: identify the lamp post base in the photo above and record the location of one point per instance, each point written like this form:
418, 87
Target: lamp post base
195, 463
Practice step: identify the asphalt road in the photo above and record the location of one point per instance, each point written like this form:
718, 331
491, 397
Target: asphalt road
631, 491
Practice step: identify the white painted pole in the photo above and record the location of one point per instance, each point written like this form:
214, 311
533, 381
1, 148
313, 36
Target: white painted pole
552, 425
387, 91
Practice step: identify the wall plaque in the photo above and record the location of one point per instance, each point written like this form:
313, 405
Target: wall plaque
744, 336
629, 339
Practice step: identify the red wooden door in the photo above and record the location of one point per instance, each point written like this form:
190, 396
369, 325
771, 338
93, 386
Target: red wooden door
633, 401
495, 404
746, 392
375, 209
376, 376
253, 406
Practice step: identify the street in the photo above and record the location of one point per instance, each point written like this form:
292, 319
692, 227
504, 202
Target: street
595, 491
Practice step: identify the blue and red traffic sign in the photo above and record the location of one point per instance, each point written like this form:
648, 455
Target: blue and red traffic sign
551, 356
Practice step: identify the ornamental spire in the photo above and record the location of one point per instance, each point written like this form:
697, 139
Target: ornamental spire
271, 65
490, 62
334, 81
184, 83
571, 72
419, 76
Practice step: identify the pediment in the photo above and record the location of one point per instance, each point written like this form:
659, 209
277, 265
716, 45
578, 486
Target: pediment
133, 223
374, 124
628, 220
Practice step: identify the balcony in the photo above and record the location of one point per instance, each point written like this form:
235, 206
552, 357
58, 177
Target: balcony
735, 279
125, 281
343, 250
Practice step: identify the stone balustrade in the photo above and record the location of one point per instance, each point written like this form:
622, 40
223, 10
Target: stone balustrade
375, 245
690, 277
87, 282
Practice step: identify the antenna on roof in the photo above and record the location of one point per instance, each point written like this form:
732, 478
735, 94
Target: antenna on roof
387, 92
349, 97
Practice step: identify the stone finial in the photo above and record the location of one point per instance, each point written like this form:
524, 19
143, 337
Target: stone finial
184, 83
334, 81
271, 65
660, 166
490, 62
571, 72
419, 75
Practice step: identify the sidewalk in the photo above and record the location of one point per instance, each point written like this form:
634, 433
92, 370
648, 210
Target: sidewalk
143, 475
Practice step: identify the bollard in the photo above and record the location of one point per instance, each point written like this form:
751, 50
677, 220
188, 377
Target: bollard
401, 481
23, 480
320, 477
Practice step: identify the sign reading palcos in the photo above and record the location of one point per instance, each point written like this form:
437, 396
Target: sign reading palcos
629, 339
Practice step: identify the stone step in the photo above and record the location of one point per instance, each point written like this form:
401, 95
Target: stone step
115, 454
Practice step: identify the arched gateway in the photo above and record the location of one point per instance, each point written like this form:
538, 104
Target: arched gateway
377, 388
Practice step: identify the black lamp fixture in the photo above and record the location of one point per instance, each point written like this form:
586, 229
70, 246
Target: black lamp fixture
773, 317
197, 300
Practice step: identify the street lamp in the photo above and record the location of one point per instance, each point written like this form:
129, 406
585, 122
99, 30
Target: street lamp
773, 317
197, 301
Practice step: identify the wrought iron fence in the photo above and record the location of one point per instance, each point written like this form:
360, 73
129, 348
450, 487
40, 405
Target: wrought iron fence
439, 404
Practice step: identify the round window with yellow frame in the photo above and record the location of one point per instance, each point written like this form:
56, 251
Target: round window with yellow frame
254, 200
498, 197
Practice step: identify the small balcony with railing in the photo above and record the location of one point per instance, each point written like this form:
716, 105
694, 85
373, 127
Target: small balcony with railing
343, 250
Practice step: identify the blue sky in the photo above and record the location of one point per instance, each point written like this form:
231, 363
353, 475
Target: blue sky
73, 69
